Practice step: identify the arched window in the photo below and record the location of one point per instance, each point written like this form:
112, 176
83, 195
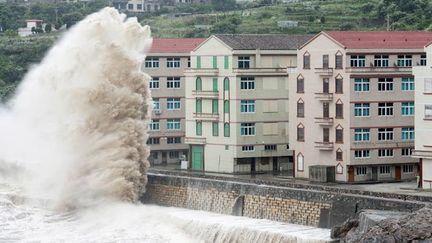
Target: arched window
300, 108
300, 133
339, 84
339, 134
338, 60
198, 84
339, 109
226, 84
300, 162
306, 60
300, 84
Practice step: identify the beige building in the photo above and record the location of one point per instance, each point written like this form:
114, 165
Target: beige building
423, 118
237, 103
165, 63
352, 105
139, 6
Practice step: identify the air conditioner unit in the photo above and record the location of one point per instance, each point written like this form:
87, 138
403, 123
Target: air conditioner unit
157, 112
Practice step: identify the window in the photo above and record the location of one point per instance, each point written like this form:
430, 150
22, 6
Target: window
248, 148
385, 84
215, 64
215, 84
153, 141
198, 106
361, 170
361, 84
226, 130
173, 140
385, 170
154, 83
339, 111
198, 62
423, 61
361, 109
408, 84
338, 85
306, 61
189, 62
247, 83
226, 62
326, 134
300, 84
361, 154
247, 129
152, 62
408, 168
385, 134
173, 82
326, 110
325, 61
358, 60
300, 108
198, 84
404, 61
406, 152
385, 109
198, 128
247, 106
270, 147
362, 134
173, 103
130, 6
381, 61
173, 124
173, 62
154, 125
407, 133
244, 62
326, 86
215, 129
428, 85
139, 6
383, 153
339, 135
226, 84
407, 108
300, 162
226, 106
428, 112
338, 61
173, 154
300, 133
339, 155
156, 104
215, 106
154, 155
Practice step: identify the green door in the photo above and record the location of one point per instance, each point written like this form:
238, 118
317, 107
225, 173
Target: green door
197, 157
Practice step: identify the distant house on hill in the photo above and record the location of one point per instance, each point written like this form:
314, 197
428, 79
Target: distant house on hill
29, 29
138, 6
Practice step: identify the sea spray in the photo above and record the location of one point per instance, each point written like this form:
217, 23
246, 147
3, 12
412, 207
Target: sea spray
78, 123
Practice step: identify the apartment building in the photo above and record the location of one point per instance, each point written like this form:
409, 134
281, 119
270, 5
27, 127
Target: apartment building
138, 6
237, 103
165, 63
352, 104
423, 118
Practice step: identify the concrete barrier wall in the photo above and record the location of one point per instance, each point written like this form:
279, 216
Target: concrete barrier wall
318, 208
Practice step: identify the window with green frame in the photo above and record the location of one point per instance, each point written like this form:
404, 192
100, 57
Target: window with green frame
215, 106
215, 129
226, 62
215, 62
215, 84
226, 129
226, 106
198, 105
199, 128
226, 84
198, 62
198, 84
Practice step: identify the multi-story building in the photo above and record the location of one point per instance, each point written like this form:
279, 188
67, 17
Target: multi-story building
423, 117
165, 63
237, 102
352, 104
139, 6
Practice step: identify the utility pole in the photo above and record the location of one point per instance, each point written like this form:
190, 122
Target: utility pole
388, 22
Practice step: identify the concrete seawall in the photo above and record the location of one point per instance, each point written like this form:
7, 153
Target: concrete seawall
310, 205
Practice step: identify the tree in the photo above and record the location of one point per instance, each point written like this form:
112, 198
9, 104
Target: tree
48, 28
71, 18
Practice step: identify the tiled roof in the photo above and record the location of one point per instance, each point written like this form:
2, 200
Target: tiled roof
175, 45
381, 39
264, 42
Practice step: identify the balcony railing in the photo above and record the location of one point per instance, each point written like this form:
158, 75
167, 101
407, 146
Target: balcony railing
378, 69
324, 121
205, 94
206, 116
324, 145
202, 71
195, 140
261, 71
324, 71
324, 96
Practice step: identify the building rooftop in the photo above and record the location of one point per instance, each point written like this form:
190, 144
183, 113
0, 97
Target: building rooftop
381, 39
175, 45
264, 42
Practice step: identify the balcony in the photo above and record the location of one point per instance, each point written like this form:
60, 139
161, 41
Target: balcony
210, 94
202, 71
195, 140
379, 70
324, 121
327, 146
206, 116
324, 71
261, 71
324, 96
